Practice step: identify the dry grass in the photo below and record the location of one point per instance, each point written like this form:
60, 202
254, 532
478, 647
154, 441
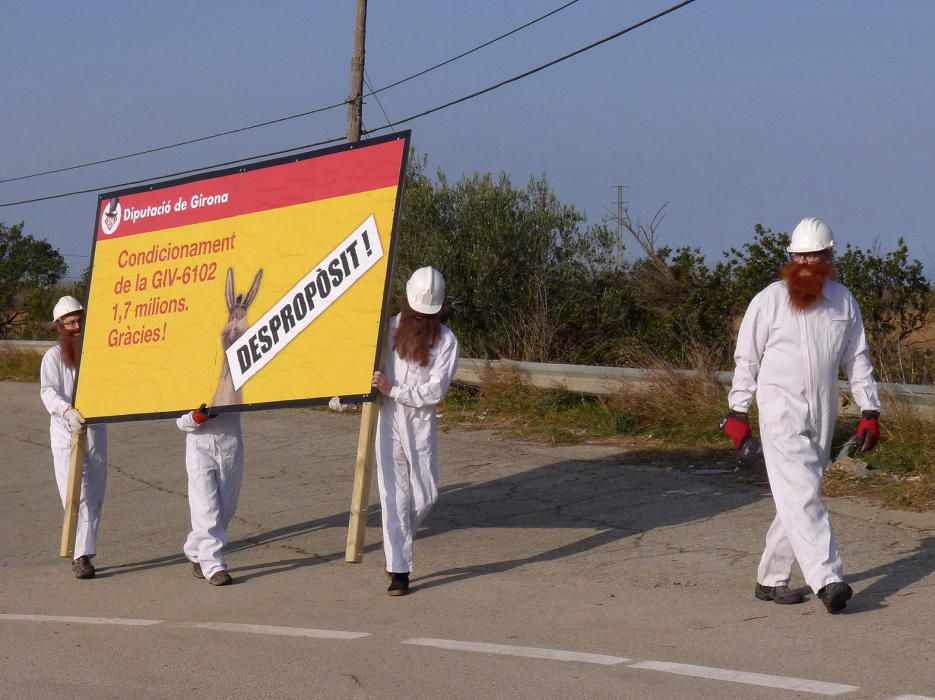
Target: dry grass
682, 407
504, 401
670, 406
904, 460
19, 365
906, 492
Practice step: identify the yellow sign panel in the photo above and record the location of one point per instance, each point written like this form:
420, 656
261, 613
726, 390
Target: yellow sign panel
246, 289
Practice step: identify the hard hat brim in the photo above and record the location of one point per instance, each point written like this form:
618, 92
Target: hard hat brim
799, 251
425, 308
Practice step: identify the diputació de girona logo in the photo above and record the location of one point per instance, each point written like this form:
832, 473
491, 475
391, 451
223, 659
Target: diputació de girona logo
110, 219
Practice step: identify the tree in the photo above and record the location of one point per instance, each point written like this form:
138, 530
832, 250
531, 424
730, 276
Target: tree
29, 268
896, 301
515, 260
753, 266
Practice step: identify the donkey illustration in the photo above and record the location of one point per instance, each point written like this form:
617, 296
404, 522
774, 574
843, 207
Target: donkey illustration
235, 327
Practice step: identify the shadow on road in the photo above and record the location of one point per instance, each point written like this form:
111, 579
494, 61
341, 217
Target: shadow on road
282, 534
894, 577
604, 499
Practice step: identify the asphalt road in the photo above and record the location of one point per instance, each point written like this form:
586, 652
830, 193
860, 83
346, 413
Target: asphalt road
544, 572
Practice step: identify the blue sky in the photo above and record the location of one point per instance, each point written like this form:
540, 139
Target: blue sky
731, 112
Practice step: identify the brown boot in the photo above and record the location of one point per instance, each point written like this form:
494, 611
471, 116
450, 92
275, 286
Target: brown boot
196, 570
220, 578
399, 584
83, 567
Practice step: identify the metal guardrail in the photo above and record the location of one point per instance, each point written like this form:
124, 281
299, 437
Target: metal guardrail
602, 381
581, 379
38, 346
599, 381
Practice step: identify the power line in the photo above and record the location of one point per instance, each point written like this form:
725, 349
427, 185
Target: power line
476, 48
180, 173
175, 145
390, 125
279, 120
370, 86
532, 71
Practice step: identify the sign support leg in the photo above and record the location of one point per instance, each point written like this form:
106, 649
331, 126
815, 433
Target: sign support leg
79, 440
363, 474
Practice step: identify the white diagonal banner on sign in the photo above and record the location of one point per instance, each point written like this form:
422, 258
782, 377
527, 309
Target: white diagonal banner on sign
307, 300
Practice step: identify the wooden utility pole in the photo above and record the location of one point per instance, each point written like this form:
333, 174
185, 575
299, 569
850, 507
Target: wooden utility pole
363, 470
355, 100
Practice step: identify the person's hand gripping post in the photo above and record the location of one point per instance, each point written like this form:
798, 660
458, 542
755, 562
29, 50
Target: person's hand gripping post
75, 420
201, 414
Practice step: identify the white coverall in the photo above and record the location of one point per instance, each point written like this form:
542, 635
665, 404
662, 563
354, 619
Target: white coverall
406, 446
214, 462
791, 359
56, 387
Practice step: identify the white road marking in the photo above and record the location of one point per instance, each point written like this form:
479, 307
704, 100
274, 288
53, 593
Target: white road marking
82, 620
725, 674
509, 650
281, 631
717, 674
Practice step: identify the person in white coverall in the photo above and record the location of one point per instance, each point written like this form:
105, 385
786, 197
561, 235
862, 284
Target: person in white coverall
421, 357
793, 339
214, 462
57, 387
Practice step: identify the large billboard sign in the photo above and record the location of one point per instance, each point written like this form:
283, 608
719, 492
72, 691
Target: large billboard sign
254, 287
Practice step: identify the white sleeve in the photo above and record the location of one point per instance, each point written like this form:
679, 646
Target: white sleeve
856, 364
441, 375
50, 387
751, 343
186, 423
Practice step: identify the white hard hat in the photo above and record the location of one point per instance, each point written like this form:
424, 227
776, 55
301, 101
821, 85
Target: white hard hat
425, 290
810, 236
66, 305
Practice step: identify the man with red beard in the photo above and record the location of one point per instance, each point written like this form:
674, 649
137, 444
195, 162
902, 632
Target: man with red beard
57, 386
795, 336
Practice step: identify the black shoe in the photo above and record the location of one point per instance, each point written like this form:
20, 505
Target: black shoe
196, 570
835, 596
220, 578
778, 594
82, 567
399, 584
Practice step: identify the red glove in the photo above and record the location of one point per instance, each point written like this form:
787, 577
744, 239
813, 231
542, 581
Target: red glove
200, 414
868, 431
736, 426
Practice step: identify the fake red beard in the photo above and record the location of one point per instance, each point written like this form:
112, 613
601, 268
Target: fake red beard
805, 281
69, 342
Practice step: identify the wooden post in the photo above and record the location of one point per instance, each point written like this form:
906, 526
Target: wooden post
79, 440
363, 470
355, 100
363, 475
